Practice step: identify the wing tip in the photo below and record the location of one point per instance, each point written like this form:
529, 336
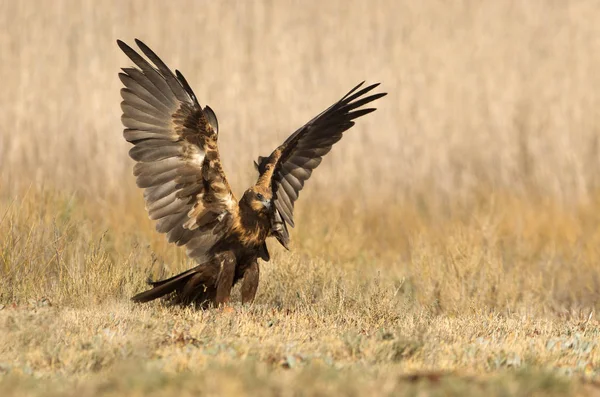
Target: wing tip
124, 47
378, 95
147, 51
353, 89
140, 43
186, 86
370, 88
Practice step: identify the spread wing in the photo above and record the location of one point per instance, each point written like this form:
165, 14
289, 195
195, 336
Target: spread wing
303, 151
175, 147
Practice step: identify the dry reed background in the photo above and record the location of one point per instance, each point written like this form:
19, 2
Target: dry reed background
454, 229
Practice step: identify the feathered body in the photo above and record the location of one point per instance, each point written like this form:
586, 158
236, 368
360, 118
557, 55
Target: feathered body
178, 166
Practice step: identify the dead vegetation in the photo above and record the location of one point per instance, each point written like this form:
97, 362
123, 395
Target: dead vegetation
449, 244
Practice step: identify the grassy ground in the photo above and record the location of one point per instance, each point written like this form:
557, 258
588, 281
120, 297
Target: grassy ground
449, 245
115, 348
484, 302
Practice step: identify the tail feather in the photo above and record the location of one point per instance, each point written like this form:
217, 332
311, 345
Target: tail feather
163, 287
166, 280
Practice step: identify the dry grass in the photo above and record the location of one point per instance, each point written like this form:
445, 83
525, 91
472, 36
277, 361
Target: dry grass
448, 245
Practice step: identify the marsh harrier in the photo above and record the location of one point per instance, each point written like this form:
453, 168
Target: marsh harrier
185, 189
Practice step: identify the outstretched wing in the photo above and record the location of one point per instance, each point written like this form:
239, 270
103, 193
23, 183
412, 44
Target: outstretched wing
303, 151
175, 147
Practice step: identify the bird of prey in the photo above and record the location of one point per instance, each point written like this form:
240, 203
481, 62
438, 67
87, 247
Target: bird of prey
185, 189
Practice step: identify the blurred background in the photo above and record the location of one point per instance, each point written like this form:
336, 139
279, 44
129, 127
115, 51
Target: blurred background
482, 94
474, 185
460, 216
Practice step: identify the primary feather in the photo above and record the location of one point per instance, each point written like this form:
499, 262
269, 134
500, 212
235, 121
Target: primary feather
185, 189
303, 151
176, 152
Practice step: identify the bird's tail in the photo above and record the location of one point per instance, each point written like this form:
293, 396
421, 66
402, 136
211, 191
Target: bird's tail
164, 287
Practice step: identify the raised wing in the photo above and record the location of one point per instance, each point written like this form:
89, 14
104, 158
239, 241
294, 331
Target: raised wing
175, 147
303, 151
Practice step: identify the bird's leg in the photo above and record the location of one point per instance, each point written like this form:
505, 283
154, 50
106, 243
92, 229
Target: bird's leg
250, 282
225, 279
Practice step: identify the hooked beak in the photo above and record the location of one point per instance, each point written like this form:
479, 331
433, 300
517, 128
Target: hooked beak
266, 203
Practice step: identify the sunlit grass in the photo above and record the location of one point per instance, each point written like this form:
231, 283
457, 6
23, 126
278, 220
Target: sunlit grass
448, 245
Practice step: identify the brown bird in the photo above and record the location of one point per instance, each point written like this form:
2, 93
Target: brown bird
187, 193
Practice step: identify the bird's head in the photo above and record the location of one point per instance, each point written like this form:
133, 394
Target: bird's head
258, 198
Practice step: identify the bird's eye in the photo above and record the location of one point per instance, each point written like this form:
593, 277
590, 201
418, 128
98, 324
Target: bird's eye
260, 196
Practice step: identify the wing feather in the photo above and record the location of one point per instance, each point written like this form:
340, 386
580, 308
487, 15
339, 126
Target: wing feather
142, 93
157, 179
162, 202
149, 71
298, 172
303, 151
284, 211
148, 153
155, 193
133, 100
142, 79
171, 222
291, 185
175, 149
156, 167
166, 73
134, 136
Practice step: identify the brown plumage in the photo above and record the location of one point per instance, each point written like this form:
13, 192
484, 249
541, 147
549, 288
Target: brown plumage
178, 166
